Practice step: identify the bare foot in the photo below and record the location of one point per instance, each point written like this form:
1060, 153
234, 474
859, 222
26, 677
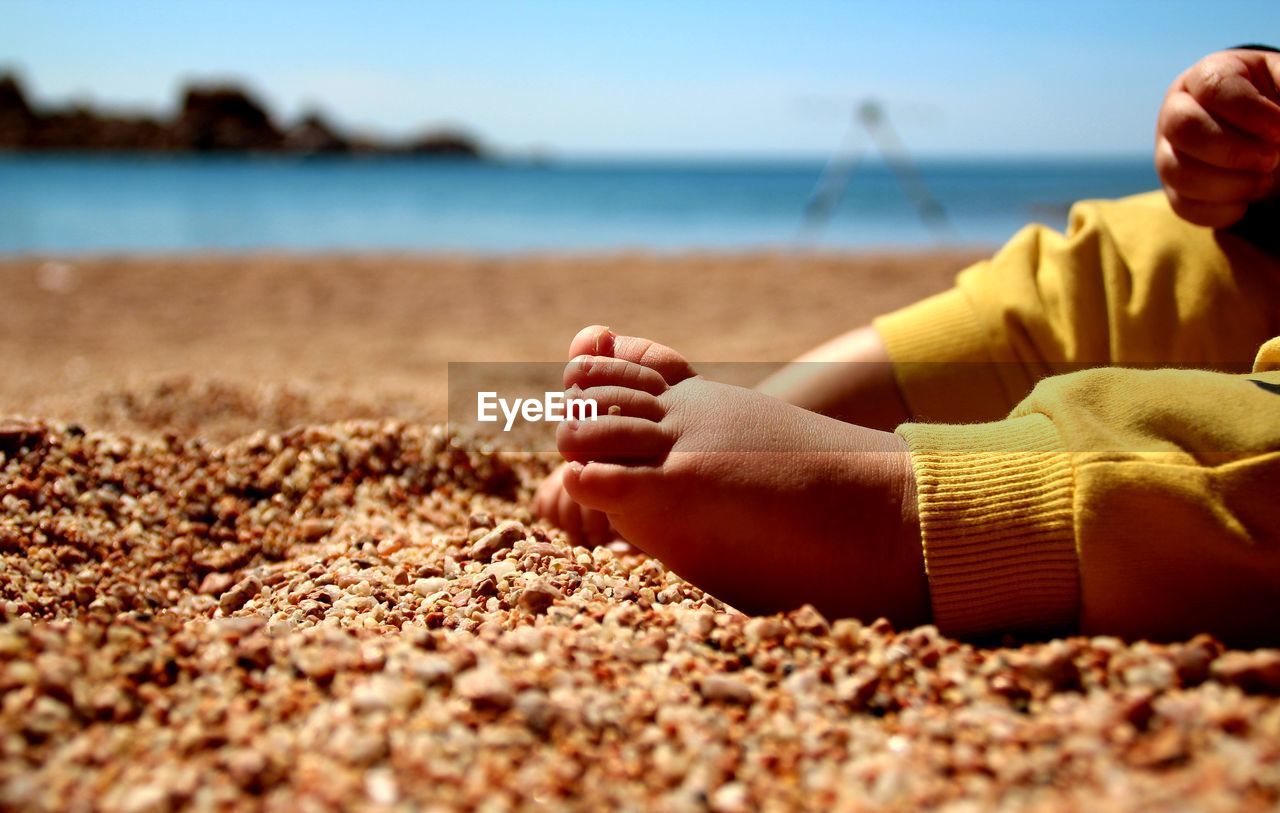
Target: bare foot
551, 501
764, 504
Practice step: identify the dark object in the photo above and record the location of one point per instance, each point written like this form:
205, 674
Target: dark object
454, 145
225, 119
1261, 225
222, 118
314, 135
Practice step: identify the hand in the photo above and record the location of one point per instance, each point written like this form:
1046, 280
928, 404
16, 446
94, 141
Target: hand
1218, 136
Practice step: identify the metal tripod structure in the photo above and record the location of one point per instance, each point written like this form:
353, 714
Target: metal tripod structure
870, 119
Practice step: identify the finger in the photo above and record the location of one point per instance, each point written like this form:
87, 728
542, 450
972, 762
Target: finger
1191, 130
585, 372
1213, 215
1197, 180
1223, 87
633, 403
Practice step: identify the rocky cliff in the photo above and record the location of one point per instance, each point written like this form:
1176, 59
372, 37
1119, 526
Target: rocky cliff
221, 118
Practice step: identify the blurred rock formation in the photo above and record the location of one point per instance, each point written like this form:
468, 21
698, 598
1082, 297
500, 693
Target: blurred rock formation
222, 118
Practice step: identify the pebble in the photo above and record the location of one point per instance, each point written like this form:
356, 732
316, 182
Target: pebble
240, 594
485, 688
726, 689
182, 651
1257, 671
501, 538
538, 595
215, 584
314, 529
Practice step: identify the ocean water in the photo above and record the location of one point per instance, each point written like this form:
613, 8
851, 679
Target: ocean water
72, 204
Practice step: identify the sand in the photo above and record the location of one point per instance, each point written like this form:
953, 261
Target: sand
245, 568
381, 330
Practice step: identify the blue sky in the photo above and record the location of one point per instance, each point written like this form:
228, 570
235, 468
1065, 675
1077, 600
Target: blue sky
690, 78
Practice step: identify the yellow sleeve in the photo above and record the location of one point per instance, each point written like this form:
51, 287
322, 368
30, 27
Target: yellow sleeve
1141, 503
1129, 283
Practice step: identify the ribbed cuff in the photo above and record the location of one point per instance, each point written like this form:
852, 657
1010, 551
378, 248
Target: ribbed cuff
942, 361
996, 521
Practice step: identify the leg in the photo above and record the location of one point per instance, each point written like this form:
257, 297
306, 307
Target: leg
849, 378
760, 502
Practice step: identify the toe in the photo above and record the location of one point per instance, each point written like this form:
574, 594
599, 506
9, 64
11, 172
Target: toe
598, 340
585, 372
546, 498
624, 401
593, 340
609, 488
568, 514
616, 438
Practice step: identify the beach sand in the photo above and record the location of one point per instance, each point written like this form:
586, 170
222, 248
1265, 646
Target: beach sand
380, 331
245, 568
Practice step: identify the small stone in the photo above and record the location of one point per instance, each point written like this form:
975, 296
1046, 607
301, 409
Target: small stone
432, 669
847, 632
485, 688
254, 652
1137, 708
1193, 661
808, 619
316, 664
1164, 748
312, 530
698, 624
215, 584
730, 798
765, 630
1056, 665
85, 594
538, 595
486, 586
537, 709
1255, 672
501, 538
380, 786
857, 690
145, 799
246, 766
429, 587
238, 596
726, 689
18, 435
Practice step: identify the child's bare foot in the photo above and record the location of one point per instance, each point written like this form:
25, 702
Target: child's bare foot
764, 504
552, 502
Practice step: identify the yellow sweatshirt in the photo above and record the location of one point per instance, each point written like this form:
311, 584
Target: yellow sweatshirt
1056, 494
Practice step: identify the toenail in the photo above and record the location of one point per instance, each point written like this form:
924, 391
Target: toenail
599, 343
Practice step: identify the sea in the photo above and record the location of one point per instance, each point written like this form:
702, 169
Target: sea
73, 204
